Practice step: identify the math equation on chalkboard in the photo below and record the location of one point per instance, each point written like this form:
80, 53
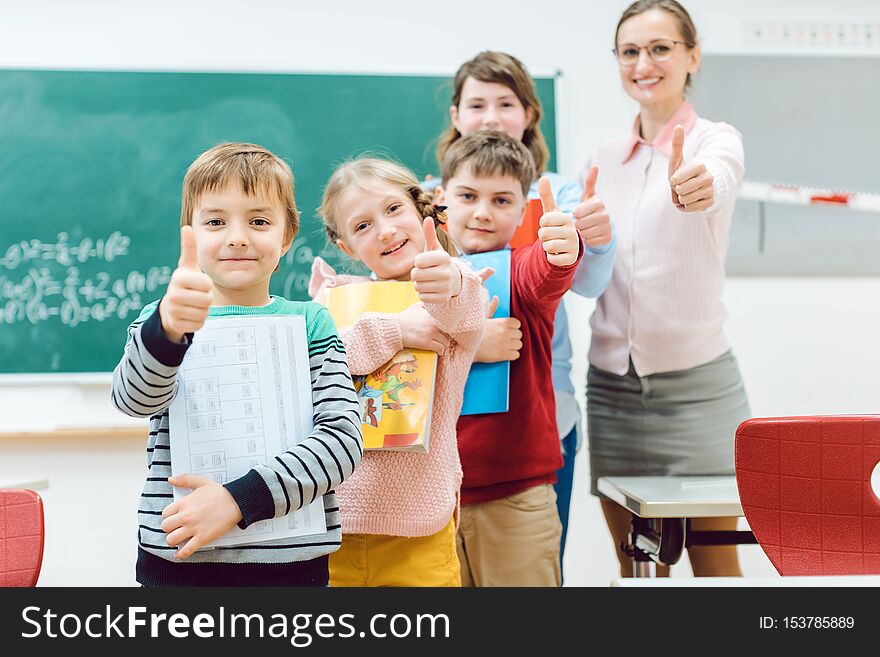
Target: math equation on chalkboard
44, 281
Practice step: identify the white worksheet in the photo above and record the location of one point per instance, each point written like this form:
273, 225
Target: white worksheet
244, 396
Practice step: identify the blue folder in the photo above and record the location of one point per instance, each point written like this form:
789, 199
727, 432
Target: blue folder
487, 386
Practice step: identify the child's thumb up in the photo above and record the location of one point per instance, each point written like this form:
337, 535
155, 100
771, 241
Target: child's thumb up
189, 259
431, 242
548, 202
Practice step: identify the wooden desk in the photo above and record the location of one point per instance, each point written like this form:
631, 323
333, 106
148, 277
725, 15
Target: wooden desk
662, 509
666, 497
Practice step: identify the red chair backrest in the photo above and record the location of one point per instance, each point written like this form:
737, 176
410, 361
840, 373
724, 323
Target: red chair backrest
21, 537
806, 491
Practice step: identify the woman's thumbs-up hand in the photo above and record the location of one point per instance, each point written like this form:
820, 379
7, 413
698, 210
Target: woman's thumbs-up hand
692, 185
436, 278
184, 308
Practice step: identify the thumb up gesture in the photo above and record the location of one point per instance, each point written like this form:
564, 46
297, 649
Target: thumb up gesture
184, 308
692, 186
437, 279
590, 216
557, 233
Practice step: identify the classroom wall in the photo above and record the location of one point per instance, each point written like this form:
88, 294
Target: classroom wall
806, 345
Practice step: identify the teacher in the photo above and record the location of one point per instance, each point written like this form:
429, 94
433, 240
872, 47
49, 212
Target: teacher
664, 391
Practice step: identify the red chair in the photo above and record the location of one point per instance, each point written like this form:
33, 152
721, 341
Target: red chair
21, 537
805, 484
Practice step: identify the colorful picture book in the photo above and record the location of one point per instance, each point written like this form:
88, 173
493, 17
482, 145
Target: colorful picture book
396, 400
488, 384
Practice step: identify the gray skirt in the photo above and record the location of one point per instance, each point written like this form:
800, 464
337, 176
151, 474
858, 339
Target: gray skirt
672, 423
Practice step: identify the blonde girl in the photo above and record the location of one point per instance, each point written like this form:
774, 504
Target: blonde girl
398, 510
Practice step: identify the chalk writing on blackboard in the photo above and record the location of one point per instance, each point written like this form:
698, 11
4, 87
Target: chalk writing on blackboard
64, 253
42, 282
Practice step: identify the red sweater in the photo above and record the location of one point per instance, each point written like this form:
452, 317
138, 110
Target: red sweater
505, 453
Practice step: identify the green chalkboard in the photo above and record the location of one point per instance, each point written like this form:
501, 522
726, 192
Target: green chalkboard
91, 166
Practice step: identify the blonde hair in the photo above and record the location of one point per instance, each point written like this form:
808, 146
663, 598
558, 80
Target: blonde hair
682, 17
501, 68
370, 173
253, 167
489, 152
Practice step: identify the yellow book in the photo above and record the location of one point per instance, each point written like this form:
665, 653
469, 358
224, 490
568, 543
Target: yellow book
396, 399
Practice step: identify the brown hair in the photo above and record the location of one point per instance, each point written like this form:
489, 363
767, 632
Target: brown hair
501, 68
368, 173
490, 153
253, 167
682, 17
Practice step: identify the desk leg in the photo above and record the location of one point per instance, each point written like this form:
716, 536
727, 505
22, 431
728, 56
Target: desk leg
655, 540
643, 561
644, 568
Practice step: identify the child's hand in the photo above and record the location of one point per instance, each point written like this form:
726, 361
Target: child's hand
485, 274
184, 308
590, 216
502, 339
437, 279
693, 188
202, 516
419, 331
557, 233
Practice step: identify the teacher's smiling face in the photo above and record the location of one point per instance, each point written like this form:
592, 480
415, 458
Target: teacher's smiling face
654, 62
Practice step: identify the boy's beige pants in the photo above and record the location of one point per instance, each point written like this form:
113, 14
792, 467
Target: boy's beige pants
513, 541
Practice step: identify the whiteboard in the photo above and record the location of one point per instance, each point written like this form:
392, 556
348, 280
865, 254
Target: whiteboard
805, 120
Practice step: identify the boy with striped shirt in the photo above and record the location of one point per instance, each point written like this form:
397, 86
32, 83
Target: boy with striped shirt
238, 219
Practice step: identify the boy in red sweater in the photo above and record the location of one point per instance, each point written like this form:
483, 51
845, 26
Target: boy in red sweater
509, 529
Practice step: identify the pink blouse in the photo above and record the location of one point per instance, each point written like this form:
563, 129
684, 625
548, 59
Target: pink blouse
663, 306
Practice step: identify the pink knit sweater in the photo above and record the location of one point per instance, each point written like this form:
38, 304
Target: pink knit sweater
404, 493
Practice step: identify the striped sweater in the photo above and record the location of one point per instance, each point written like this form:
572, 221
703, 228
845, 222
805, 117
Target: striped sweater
145, 382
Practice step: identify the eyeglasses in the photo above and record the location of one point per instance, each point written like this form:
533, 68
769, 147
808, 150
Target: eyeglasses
659, 50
